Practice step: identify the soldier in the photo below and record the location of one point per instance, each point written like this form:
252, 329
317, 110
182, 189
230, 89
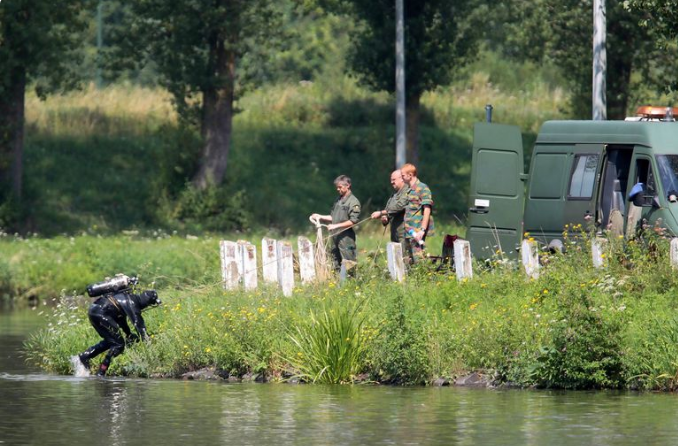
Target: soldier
394, 212
344, 215
418, 218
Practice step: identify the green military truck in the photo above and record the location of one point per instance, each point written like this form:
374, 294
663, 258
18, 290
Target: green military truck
581, 173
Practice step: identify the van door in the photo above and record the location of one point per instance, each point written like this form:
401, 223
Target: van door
496, 197
582, 189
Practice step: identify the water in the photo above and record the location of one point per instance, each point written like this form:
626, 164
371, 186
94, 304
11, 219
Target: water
41, 409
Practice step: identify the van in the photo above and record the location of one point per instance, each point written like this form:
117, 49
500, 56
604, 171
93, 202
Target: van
581, 173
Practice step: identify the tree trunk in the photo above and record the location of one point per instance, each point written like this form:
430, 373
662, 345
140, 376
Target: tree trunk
412, 106
12, 134
217, 119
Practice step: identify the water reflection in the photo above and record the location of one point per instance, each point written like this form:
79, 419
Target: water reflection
44, 409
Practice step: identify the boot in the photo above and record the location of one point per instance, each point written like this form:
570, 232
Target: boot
84, 360
102, 369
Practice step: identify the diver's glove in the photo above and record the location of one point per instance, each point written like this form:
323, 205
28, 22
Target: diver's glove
132, 339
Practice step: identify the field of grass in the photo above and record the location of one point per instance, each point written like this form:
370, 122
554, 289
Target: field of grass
117, 159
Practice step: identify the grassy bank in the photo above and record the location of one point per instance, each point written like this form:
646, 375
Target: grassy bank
574, 327
117, 159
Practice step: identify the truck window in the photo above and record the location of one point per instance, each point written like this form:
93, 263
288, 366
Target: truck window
668, 172
645, 175
583, 176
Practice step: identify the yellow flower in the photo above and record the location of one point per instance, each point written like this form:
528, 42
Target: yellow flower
473, 307
207, 350
545, 291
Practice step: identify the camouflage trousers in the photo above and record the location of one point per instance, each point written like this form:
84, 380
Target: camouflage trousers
414, 251
343, 248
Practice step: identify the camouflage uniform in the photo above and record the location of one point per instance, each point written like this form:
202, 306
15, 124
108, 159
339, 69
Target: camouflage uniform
417, 197
395, 211
343, 243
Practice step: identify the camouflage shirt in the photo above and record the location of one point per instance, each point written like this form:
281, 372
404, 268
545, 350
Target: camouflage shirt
395, 209
346, 208
418, 197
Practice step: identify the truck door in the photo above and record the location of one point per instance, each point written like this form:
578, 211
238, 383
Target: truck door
581, 205
497, 191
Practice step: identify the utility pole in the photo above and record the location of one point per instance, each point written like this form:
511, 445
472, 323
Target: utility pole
599, 99
400, 85
100, 44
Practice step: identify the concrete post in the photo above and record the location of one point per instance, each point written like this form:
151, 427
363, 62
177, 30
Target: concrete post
530, 256
248, 262
396, 265
285, 267
229, 264
462, 259
269, 260
306, 260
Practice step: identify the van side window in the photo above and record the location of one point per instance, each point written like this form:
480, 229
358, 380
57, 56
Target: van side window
583, 176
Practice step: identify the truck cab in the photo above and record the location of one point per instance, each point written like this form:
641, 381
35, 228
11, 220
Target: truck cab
581, 173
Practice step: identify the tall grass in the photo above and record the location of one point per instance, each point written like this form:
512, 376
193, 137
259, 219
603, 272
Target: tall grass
574, 327
331, 346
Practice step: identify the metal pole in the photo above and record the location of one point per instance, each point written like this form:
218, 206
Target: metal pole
400, 86
599, 100
100, 44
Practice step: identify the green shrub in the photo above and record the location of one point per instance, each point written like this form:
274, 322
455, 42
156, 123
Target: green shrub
399, 353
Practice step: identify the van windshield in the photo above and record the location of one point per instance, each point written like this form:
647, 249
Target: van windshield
668, 172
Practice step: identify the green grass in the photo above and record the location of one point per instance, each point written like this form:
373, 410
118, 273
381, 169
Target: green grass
575, 327
117, 159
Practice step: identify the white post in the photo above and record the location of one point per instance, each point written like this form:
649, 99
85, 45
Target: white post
285, 267
674, 252
248, 261
269, 260
229, 264
396, 265
462, 259
306, 260
528, 252
598, 246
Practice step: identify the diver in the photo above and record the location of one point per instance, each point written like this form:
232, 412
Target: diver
108, 315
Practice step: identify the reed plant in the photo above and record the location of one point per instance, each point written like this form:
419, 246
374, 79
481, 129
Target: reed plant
331, 345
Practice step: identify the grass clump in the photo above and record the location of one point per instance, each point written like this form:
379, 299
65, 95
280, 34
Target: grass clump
331, 345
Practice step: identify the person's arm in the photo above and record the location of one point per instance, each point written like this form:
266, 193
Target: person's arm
343, 225
424, 223
321, 217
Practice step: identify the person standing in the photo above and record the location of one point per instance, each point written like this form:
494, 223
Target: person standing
345, 213
418, 213
394, 212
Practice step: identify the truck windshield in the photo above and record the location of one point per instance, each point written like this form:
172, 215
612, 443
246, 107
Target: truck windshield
668, 172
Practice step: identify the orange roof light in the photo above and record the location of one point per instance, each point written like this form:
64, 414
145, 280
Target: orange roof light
651, 112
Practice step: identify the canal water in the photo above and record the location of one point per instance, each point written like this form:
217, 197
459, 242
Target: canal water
42, 409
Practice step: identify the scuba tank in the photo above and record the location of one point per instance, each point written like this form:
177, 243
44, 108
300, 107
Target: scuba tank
117, 283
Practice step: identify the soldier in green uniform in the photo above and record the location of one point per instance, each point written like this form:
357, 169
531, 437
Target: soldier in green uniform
345, 213
418, 218
394, 212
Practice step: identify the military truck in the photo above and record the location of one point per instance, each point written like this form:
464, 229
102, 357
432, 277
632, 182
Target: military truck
581, 173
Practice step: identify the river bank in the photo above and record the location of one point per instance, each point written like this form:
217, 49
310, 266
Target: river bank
575, 327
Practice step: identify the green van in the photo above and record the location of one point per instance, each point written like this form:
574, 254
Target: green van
581, 173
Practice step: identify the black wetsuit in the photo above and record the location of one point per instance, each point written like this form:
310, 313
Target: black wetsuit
108, 315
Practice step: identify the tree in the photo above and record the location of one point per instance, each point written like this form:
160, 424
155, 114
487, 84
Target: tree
440, 38
38, 43
196, 46
659, 15
560, 31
